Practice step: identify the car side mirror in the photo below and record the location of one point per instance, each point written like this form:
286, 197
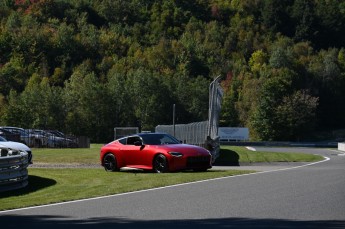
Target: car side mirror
138, 143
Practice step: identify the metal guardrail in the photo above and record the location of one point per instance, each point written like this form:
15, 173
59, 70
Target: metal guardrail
13, 169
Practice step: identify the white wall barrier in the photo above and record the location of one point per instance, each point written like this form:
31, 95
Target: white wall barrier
341, 146
13, 169
233, 134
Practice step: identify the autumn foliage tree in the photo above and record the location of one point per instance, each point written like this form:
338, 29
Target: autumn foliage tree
85, 66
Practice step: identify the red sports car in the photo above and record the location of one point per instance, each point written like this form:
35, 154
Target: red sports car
154, 151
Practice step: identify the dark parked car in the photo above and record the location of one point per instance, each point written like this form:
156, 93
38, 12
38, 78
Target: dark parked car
59, 139
9, 135
154, 151
23, 134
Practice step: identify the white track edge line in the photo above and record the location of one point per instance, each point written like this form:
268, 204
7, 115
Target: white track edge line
153, 189
340, 153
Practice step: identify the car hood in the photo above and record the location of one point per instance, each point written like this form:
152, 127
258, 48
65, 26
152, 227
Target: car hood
15, 145
185, 149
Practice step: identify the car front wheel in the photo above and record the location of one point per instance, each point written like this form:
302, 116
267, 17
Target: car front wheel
160, 164
109, 163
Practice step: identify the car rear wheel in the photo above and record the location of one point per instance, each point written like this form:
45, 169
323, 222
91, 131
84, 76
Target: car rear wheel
109, 163
160, 164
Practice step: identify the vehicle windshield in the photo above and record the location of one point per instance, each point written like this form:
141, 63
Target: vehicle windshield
2, 139
159, 139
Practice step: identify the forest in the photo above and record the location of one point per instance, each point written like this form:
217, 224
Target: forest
87, 66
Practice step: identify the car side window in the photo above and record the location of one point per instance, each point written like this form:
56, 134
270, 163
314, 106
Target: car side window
123, 141
167, 140
131, 140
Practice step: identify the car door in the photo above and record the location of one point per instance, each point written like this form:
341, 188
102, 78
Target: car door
133, 153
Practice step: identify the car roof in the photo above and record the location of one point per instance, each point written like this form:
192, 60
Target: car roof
146, 134
142, 134
5, 131
11, 127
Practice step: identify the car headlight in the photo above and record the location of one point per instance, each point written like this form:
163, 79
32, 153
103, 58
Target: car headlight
12, 152
176, 154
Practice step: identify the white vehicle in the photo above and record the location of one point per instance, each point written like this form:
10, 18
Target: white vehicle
16, 146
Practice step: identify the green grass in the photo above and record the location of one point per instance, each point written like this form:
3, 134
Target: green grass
67, 155
59, 185
229, 154
234, 155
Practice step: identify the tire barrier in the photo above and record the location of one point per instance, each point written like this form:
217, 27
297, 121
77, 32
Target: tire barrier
13, 169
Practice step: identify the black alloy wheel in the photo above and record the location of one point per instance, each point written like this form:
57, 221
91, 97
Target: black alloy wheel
109, 163
160, 164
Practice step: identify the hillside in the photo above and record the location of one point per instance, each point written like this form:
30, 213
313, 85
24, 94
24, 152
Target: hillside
87, 66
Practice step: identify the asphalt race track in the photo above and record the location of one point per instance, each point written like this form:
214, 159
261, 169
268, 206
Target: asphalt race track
308, 196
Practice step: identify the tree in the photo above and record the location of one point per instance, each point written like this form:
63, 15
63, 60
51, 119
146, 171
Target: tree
329, 84
281, 54
248, 100
12, 114
167, 19
296, 116
85, 106
38, 106
258, 61
273, 90
3, 105
303, 13
148, 99
13, 75
118, 100
275, 16
331, 23
229, 114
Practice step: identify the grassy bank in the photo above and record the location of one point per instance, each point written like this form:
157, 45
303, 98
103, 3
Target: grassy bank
66, 155
229, 155
59, 185
235, 155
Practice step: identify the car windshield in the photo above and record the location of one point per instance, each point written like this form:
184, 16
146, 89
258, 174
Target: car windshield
159, 139
2, 139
